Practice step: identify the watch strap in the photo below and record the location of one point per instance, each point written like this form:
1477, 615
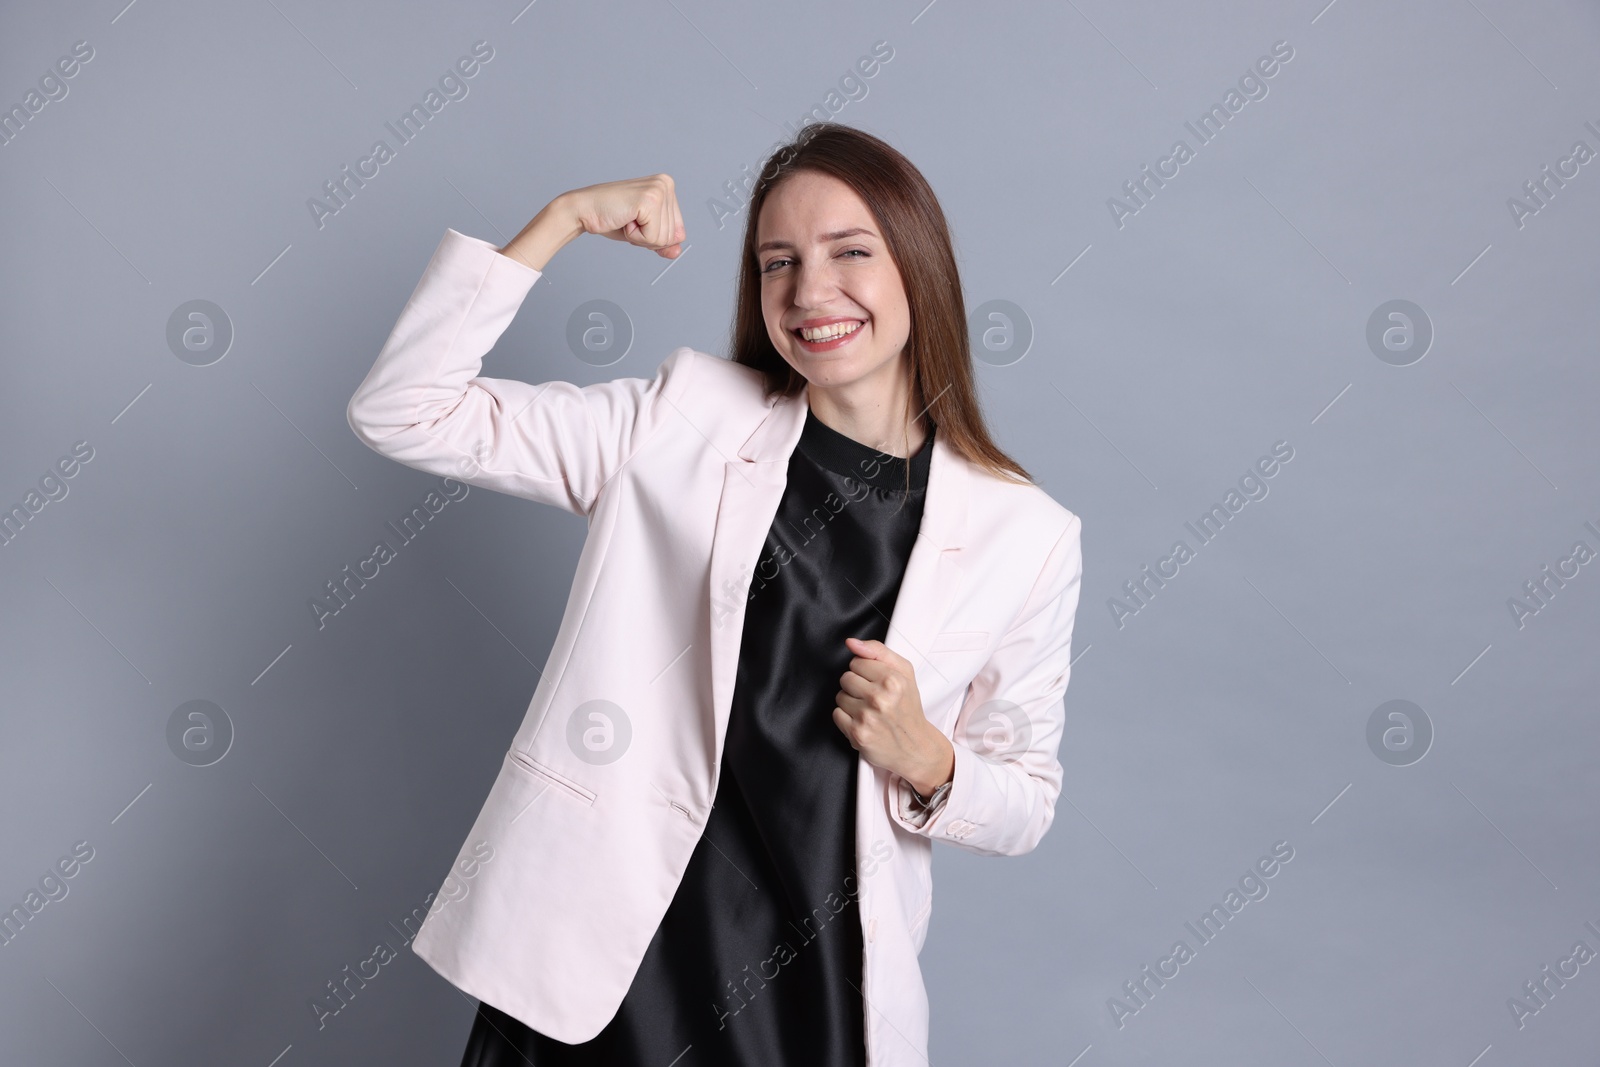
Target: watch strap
929, 801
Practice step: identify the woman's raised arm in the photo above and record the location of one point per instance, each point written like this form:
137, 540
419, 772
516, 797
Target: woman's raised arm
640, 211
424, 404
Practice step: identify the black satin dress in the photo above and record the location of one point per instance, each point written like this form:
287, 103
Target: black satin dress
757, 962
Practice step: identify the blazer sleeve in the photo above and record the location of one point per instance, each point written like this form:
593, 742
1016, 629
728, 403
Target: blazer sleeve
424, 404
1002, 807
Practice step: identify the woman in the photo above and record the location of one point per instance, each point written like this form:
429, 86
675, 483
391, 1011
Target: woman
709, 842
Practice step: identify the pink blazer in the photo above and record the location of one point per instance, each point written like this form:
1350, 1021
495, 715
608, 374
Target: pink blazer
607, 784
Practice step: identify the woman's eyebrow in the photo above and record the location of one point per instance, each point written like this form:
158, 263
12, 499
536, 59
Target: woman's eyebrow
836, 235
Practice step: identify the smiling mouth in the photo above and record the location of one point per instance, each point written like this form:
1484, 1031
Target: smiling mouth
831, 332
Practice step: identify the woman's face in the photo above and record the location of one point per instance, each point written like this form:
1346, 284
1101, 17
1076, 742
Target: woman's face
823, 261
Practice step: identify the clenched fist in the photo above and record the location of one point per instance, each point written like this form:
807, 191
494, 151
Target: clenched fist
640, 211
880, 711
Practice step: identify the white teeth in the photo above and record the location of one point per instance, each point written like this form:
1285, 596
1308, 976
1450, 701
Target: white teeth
828, 333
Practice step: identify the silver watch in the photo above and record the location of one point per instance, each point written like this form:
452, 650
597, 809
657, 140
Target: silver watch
928, 802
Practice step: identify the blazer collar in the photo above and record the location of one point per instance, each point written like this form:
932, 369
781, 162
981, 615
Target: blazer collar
944, 509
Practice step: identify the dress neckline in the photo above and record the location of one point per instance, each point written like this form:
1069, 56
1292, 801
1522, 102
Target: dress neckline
833, 451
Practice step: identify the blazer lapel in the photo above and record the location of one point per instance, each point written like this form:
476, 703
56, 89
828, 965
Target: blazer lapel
933, 571
752, 487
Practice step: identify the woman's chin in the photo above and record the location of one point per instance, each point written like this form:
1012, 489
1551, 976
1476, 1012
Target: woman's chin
828, 374
822, 368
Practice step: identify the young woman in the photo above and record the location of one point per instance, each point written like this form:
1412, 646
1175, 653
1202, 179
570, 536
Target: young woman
820, 620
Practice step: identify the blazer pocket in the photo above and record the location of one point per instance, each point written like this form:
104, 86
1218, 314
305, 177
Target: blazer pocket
960, 641
919, 925
528, 765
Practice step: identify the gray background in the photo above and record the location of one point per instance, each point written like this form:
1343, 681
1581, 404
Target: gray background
1229, 313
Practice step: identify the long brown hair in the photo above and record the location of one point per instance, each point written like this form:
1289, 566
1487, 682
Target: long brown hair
914, 228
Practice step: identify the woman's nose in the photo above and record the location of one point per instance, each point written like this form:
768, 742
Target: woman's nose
814, 285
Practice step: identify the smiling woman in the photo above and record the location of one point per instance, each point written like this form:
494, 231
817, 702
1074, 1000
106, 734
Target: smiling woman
778, 734
848, 231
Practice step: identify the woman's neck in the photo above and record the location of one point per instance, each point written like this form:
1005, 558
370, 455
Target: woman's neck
876, 421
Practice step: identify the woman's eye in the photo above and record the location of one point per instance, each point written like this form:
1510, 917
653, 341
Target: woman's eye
780, 261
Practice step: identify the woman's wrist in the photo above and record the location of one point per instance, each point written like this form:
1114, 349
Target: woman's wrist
552, 229
939, 769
